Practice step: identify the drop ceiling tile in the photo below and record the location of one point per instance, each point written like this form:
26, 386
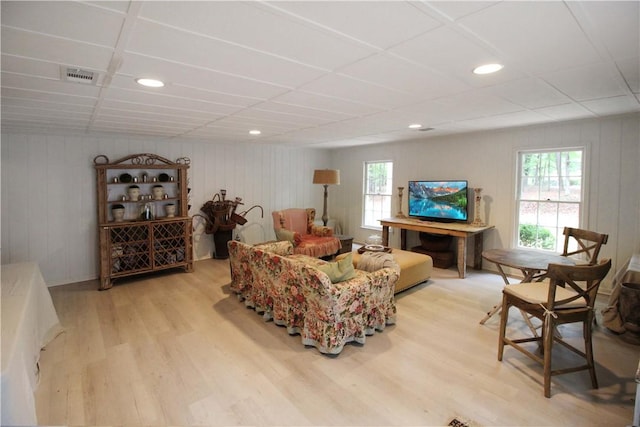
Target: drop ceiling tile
376, 23
118, 6
347, 88
614, 105
147, 117
190, 76
56, 50
30, 67
179, 91
160, 110
565, 112
616, 24
588, 82
17, 81
475, 104
244, 124
200, 51
40, 104
519, 118
45, 113
390, 72
455, 10
262, 30
177, 126
456, 52
151, 98
538, 36
298, 120
530, 93
52, 18
301, 111
630, 69
47, 96
326, 103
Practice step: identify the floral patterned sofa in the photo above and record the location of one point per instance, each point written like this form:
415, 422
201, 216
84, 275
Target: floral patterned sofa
292, 291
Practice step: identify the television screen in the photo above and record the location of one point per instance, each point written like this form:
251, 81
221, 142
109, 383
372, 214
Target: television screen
444, 201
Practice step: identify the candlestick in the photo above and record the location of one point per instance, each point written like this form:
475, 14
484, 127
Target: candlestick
400, 214
477, 220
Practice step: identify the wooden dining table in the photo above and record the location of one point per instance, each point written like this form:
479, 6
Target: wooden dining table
532, 263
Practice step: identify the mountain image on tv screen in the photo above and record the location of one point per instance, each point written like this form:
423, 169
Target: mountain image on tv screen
438, 200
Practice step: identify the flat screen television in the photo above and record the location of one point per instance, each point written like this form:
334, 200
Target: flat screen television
441, 201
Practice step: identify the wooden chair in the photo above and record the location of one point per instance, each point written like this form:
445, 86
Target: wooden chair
588, 244
568, 297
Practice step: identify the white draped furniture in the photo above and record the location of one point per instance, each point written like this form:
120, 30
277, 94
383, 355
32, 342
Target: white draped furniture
29, 321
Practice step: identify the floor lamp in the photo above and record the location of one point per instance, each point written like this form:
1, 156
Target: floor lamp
326, 177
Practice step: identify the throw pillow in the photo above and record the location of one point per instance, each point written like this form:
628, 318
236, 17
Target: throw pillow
373, 261
339, 271
288, 235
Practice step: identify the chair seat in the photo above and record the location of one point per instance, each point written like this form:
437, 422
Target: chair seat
538, 293
316, 246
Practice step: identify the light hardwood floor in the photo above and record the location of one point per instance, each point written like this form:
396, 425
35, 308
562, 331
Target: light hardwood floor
179, 349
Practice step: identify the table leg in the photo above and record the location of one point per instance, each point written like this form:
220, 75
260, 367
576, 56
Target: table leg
385, 235
403, 239
462, 257
478, 244
496, 308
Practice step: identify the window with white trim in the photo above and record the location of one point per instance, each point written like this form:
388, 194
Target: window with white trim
549, 196
378, 184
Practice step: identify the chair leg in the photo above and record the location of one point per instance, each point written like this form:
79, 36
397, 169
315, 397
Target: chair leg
588, 350
547, 340
504, 316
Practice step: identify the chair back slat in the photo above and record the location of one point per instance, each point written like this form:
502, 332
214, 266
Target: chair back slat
583, 279
588, 243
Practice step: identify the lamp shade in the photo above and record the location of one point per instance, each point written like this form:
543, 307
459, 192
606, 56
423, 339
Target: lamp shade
326, 176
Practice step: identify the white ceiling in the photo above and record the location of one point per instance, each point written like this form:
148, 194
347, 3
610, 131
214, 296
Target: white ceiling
316, 73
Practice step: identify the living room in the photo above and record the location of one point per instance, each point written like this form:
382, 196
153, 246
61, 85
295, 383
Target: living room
49, 216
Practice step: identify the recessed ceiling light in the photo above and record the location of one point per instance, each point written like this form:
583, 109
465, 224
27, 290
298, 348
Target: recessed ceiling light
150, 82
254, 132
488, 68
415, 126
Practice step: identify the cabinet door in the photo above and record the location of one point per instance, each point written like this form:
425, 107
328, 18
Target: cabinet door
129, 249
169, 243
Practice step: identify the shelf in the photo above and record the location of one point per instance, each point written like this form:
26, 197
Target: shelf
136, 246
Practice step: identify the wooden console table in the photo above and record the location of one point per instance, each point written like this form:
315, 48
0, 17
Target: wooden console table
462, 232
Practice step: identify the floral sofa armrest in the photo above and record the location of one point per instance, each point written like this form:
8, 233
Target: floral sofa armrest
382, 302
338, 313
281, 247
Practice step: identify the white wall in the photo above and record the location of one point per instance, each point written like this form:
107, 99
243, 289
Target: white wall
49, 192
487, 160
48, 201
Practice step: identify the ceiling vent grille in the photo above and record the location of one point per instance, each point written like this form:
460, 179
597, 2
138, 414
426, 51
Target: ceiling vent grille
76, 75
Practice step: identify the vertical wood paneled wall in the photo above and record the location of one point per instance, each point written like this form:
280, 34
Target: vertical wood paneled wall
49, 192
487, 160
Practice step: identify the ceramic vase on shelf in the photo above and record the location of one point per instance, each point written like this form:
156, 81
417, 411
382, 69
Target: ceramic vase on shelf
158, 192
118, 213
170, 210
134, 193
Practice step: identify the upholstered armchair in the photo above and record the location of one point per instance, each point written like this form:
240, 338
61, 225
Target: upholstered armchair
297, 226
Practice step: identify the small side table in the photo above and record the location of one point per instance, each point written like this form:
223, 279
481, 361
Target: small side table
347, 242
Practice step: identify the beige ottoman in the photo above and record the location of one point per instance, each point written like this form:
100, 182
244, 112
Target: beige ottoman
415, 268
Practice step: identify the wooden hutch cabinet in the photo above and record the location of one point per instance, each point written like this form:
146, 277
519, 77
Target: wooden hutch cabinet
143, 219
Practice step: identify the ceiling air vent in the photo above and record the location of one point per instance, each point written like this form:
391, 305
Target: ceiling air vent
425, 129
76, 75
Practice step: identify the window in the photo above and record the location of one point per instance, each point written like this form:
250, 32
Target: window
378, 182
550, 196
